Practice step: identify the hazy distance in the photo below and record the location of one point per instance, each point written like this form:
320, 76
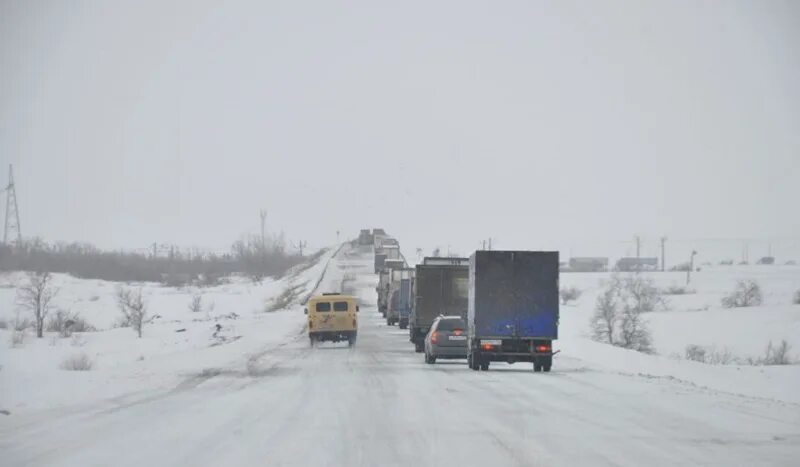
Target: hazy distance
571, 125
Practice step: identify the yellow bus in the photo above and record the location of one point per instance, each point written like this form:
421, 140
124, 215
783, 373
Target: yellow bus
332, 317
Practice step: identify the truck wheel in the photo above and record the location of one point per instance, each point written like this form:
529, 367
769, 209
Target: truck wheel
403, 325
546, 368
485, 365
312, 340
537, 367
418, 347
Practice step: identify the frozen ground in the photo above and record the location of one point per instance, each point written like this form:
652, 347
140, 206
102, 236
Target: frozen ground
275, 401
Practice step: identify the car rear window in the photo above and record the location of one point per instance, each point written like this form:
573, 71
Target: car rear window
450, 325
339, 306
323, 306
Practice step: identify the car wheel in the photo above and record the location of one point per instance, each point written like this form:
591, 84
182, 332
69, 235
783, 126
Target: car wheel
418, 347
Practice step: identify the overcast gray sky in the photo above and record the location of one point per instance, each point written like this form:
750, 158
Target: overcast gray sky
543, 124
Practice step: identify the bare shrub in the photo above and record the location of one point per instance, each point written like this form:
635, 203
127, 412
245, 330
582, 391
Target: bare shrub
778, 354
37, 296
634, 333
570, 294
196, 304
78, 362
133, 308
721, 356
710, 355
604, 319
618, 313
65, 323
796, 298
747, 293
641, 293
677, 290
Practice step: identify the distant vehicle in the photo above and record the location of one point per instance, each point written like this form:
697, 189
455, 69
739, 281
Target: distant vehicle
389, 241
445, 261
377, 231
365, 237
791, 262
391, 251
726, 262
512, 308
380, 259
637, 264
400, 298
766, 260
438, 290
332, 317
588, 264
384, 279
447, 338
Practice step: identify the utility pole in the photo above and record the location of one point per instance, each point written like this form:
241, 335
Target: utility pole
490, 243
663, 264
638, 245
263, 214
12, 211
300, 245
484, 245
691, 266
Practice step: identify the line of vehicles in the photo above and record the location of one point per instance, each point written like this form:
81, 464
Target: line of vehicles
495, 306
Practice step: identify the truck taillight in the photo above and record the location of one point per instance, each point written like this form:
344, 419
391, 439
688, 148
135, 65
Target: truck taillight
435, 337
487, 346
543, 348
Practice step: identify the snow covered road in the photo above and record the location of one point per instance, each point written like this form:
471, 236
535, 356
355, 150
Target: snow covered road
380, 404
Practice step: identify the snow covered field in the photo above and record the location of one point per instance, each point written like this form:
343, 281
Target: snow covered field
268, 398
176, 346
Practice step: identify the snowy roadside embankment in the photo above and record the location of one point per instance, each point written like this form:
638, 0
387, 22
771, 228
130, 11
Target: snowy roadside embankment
697, 318
232, 332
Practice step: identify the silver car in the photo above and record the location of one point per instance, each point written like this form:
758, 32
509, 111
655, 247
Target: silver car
447, 338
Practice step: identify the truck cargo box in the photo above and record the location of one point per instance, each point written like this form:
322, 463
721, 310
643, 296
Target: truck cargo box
438, 290
513, 294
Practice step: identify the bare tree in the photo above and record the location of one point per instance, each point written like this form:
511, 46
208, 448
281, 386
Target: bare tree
634, 333
133, 308
747, 293
196, 305
37, 296
796, 298
618, 313
642, 293
605, 316
778, 354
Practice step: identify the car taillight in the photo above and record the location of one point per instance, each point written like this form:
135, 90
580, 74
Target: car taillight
542, 348
458, 332
435, 337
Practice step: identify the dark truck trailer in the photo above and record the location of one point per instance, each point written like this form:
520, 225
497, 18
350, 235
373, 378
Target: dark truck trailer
379, 260
399, 298
439, 289
512, 308
384, 280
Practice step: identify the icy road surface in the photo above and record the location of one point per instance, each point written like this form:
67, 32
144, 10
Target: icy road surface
379, 404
